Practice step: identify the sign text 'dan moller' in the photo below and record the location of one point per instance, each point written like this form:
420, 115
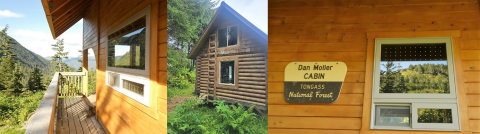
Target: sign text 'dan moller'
313, 82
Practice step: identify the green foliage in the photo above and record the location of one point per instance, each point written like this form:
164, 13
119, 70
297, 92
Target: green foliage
16, 103
187, 92
57, 59
11, 76
14, 110
419, 78
92, 80
35, 81
187, 19
191, 117
181, 72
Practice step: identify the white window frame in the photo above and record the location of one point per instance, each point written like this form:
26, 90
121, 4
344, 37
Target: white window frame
220, 72
134, 75
415, 99
238, 36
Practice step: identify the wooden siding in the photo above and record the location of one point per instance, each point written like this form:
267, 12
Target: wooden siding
344, 30
250, 67
115, 111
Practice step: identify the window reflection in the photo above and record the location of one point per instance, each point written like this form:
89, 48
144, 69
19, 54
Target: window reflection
126, 47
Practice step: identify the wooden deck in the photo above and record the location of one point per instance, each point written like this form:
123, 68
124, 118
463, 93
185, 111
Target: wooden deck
73, 117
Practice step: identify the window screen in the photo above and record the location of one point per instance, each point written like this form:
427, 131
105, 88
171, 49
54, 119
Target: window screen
228, 36
414, 68
126, 47
227, 72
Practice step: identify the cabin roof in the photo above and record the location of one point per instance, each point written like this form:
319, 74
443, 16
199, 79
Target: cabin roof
223, 9
63, 14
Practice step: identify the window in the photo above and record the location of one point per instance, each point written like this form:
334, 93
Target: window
128, 57
414, 85
227, 72
228, 36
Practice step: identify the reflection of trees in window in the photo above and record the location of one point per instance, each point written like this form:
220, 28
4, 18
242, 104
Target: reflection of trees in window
417, 78
131, 39
434, 115
228, 36
227, 72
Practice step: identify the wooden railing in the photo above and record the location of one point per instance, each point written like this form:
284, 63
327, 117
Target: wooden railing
71, 84
62, 84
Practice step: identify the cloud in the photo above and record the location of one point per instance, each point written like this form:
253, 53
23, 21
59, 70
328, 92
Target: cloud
8, 14
40, 42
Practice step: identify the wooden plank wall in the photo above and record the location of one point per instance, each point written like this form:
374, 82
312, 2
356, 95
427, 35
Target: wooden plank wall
90, 27
115, 111
250, 75
324, 30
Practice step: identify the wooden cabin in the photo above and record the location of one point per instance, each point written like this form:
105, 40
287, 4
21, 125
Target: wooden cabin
365, 35
231, 60
129, 40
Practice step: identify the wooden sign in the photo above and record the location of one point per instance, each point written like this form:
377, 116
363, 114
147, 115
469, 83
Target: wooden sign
313, 82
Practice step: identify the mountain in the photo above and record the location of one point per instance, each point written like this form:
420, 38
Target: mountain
29, 59
73, 62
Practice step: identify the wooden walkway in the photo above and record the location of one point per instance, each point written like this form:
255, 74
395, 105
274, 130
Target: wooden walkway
73, 117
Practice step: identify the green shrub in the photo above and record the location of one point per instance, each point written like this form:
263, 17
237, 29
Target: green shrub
14, 110
191, 117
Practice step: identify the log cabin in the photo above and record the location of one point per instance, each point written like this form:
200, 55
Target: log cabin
231, 60
367, 35
129, 41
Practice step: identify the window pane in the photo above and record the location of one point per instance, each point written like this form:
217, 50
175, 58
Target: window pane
232, 35
392, 116
127, 49
434, 115
227, 74
418, 68
222, 37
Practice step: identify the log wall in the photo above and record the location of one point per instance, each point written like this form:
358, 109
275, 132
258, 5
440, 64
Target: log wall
250, 67
115, 111
345, 30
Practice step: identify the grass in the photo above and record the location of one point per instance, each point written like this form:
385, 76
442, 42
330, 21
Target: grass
12, 131
177, 92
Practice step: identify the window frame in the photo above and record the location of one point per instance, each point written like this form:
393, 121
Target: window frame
134, 75
389, 41
220, 72
415, 99
435, 126
137, 72
238, 36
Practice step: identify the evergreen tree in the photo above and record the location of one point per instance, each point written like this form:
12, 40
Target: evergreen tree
57, 59
35, 82
10, 82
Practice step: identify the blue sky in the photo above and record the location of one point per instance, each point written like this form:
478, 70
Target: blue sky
255, 11
28, 25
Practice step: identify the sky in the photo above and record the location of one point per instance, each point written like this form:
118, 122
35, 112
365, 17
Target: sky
255, 11
28, 24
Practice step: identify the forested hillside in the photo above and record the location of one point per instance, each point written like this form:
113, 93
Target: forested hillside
418, 78
28, 59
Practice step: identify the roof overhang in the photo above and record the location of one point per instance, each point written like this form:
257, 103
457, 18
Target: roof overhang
63, 14
224, 8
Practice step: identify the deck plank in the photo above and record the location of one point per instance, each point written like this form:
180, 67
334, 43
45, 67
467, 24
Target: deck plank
73, 117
